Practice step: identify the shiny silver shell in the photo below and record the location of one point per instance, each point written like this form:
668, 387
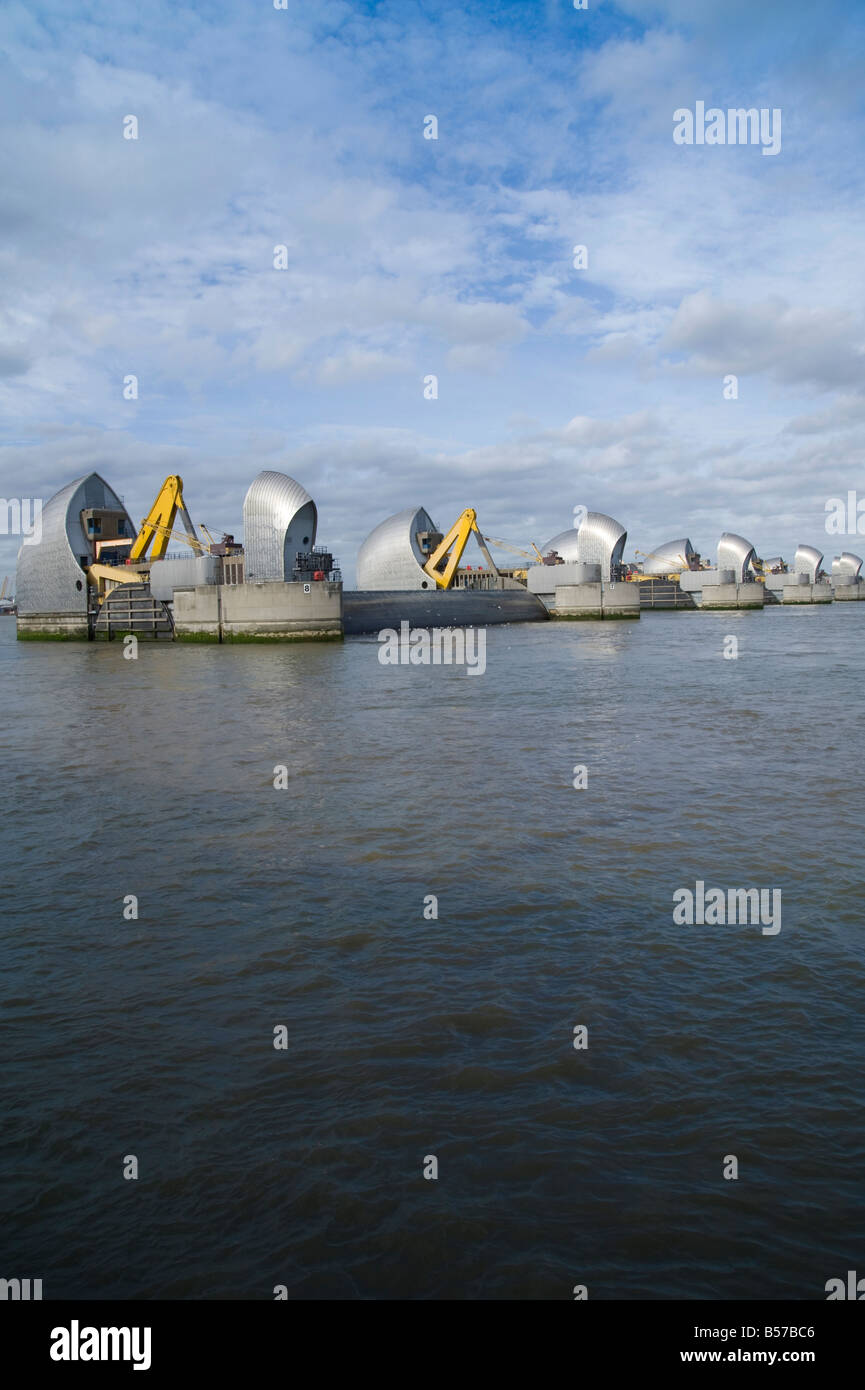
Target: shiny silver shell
50, 577
599, 540
847, 563
279, 520
738, 555
669, 558
808, 560
391, 557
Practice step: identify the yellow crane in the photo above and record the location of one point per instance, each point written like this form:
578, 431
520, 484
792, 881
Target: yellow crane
227, 540
157, 529
168, 533
450, 549
157, 525
518, 550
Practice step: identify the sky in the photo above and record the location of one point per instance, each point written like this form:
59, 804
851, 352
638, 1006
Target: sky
406, 257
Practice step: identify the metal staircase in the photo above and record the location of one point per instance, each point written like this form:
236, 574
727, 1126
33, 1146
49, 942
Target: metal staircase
132, 608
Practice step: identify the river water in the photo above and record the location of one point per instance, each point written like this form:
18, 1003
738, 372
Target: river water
410, 1037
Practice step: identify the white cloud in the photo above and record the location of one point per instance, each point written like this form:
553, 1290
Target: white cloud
455, 257
821, 348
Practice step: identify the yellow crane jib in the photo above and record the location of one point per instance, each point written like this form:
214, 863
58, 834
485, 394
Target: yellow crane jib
518, 550
521, 574
171, 534
98, 575
455, 542
157, 525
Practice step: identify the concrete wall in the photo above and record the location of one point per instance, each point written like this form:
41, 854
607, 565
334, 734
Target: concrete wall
775, 582
53, 627
587, 602
258, 612
799, 592
545, 579
718, 589
846, 587
182, 572
621, 600
732, 596
693, 581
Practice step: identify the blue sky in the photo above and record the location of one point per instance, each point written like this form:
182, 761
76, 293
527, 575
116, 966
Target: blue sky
558, 387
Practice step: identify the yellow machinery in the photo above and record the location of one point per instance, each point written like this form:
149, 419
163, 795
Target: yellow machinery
650, 555
98, 575
760, 572
457, 537
166, 533
517, 550
227, 546
156, 529
157, 525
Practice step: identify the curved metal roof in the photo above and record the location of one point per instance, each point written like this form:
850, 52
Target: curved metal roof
599, 540
50, 577
847, 563
669, 557
566, 544
279, 519
807, 561
736, 554
391, 558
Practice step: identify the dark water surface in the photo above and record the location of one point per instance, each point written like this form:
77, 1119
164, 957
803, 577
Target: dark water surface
452, 1038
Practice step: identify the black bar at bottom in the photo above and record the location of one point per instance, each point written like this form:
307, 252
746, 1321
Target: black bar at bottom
167, 1339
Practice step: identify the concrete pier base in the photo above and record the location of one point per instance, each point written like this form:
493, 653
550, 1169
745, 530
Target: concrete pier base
576, 592
850, 592
53, 627
596, 602
806, 593
620, 600
717, 588
716, 596
277, 612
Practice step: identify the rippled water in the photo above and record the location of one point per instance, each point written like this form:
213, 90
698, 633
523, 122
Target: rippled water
453, 1038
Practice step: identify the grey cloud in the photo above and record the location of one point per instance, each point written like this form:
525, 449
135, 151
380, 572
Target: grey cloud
799, 345
14, 361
